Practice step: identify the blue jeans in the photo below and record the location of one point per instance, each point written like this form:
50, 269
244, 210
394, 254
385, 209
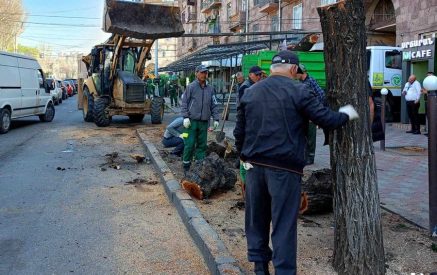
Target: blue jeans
176, 142
272, 195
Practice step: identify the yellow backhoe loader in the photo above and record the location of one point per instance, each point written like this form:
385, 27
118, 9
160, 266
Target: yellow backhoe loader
115, 67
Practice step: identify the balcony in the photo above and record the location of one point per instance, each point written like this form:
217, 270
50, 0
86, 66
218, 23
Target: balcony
191, 17
268, 6
237, 21
209, 5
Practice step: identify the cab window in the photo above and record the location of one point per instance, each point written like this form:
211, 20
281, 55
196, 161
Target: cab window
40, 78
393, 60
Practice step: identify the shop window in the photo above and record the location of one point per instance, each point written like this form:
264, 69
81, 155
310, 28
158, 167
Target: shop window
393, 60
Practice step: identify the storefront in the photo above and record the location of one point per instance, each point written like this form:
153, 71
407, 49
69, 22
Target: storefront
418, 58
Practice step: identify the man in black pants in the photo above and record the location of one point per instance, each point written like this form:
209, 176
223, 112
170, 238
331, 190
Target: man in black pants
270, 134
412, 92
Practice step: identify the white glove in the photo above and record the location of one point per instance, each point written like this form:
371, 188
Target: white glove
350, 111
247, 165
187, 122
216, 124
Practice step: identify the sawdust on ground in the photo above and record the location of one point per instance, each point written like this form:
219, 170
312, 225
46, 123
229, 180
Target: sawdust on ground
407, 247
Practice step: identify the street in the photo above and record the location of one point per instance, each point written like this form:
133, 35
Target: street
66, 208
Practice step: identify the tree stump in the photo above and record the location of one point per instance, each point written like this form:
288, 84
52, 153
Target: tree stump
208, 176
317, 187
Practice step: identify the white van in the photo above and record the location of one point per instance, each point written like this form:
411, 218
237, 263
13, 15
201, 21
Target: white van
23, 90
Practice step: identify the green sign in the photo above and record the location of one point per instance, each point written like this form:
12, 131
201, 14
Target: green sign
378, 79
396, 80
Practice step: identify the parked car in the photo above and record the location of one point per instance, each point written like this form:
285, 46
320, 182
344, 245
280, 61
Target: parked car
63, 88
23, 90
55, 90
69, 88
75, 84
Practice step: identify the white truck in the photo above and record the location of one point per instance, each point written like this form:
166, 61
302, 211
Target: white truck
23, 90
384, 64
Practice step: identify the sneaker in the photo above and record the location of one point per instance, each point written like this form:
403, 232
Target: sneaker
409, 132
416, 133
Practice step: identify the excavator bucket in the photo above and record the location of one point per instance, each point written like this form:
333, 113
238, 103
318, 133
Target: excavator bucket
141, 20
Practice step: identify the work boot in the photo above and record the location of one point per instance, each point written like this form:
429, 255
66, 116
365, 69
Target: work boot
261, 268
186, 169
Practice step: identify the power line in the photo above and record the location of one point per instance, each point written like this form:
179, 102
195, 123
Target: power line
54, 16
58, 24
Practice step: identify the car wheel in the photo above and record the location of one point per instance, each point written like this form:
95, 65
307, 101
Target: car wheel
60, 101
49, 114
5, 120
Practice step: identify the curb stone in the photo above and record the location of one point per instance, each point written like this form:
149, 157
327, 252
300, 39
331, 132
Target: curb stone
214, 252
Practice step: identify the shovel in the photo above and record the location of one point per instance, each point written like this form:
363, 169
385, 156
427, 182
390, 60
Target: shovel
220, 136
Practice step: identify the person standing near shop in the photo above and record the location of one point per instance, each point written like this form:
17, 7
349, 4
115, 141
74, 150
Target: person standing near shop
306, 79
412, 91
270, 134
198, 105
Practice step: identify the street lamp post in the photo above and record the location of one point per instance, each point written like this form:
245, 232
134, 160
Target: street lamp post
384, 92
430, 84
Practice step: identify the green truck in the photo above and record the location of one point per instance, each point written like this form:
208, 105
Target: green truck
313, 61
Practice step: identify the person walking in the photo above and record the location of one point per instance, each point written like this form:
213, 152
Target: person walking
412, 91
306, 79
173, 89
174, 136
198, 105
270, 134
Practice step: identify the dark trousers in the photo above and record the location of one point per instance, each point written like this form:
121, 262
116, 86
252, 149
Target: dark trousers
176, 142
310, 150
413, 114
272, 195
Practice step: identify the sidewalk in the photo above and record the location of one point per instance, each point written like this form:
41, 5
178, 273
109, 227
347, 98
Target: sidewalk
402, 172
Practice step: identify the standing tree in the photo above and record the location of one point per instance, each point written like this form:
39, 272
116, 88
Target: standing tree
11, 23
358, 245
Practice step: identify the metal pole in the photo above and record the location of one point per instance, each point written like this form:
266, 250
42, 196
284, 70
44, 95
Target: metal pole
432, 161
247, 19
279, 15
156, 57
382, 142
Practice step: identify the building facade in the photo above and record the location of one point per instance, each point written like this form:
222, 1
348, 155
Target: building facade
389, 22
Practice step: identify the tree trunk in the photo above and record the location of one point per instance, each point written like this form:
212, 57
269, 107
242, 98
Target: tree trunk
358, 244
208, 176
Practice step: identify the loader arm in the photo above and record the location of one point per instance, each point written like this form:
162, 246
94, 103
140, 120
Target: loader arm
145, 50
118, 41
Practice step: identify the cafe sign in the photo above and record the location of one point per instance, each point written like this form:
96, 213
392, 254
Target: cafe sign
418, 49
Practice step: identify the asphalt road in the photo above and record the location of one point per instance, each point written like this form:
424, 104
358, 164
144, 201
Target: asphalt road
65, 209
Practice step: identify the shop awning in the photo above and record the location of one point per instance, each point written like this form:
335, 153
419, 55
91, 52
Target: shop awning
222, 51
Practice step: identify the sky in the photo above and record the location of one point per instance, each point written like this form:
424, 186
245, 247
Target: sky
63, 25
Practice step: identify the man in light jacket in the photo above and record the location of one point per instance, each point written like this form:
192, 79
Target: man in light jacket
198, 105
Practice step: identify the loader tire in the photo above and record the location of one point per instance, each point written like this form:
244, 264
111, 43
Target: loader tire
157, 110
88, 106
136, 118
101, 117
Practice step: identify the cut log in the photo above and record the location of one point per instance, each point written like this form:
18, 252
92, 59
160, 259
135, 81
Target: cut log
208, 176
225, 150
306, 43
317, 187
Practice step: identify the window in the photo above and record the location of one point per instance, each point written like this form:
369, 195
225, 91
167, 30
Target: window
297, 17
393, 59
255, 28
326, 2
229, 9
40, 78
275, 23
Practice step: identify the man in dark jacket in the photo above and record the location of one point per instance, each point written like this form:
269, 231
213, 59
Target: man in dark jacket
270, 134
198, 105
255, 74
